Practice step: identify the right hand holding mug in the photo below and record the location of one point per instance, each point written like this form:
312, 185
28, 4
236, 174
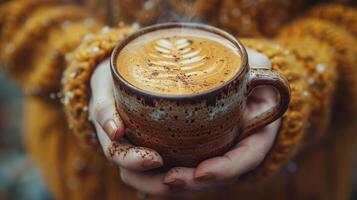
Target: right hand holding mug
134, 161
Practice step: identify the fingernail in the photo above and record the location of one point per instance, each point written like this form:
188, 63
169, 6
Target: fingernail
205, 177
175, 183
151, 164
110, 127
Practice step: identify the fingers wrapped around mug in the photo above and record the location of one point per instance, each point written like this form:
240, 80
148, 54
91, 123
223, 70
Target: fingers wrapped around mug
110, 127
220, 170
244, 156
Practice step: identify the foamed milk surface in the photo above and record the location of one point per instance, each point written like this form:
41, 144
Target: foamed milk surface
178, 61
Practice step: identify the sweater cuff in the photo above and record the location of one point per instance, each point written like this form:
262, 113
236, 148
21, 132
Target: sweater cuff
76, 88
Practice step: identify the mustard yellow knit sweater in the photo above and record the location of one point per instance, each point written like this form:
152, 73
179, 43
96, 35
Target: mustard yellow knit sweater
51, 50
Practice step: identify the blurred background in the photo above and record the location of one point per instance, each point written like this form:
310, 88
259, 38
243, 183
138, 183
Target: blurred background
19, 178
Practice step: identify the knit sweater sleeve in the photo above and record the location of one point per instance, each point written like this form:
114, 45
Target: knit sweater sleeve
36, 44
324, 95
35, 37
341, 39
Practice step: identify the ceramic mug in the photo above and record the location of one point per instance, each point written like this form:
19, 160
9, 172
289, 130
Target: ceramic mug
188, 129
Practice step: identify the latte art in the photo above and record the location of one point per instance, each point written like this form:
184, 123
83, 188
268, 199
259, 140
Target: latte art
173, 55
178, 53
178, 61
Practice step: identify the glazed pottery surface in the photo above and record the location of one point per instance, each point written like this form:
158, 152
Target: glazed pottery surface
188, 129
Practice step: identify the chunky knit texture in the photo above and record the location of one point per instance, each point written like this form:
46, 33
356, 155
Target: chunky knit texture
319, 61
344, 45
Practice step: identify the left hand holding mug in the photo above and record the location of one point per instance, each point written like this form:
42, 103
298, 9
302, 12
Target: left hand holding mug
134, 161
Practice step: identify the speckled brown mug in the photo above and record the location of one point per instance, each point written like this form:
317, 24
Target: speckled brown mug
187, 129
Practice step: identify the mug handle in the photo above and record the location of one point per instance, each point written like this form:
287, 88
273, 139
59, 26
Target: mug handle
266, 77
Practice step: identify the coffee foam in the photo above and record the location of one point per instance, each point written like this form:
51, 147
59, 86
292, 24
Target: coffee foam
178, 61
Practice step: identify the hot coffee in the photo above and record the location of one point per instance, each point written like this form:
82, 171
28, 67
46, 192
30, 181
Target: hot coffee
179, 61
181, 89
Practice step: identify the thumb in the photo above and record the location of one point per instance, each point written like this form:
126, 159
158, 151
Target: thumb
104, 110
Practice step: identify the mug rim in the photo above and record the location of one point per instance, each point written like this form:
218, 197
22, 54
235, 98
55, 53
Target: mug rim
120, 46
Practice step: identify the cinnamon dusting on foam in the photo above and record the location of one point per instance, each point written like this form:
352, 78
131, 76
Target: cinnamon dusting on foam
178, 61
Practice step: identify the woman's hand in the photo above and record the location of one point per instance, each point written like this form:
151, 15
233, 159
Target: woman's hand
110, 128
134, 161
